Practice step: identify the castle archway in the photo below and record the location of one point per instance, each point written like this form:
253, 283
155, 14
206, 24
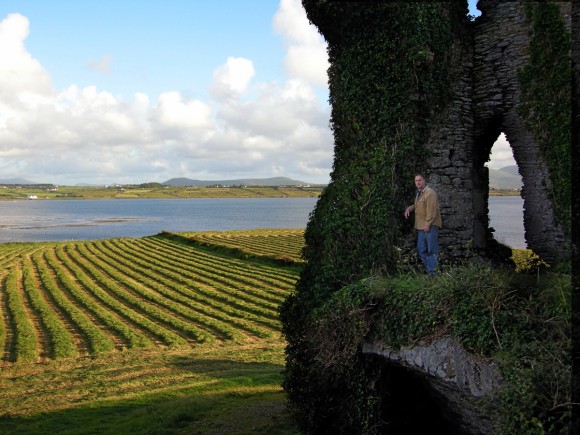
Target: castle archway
505, 204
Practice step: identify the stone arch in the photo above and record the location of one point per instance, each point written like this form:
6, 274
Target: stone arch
516, 231
501, 50
452, 386
405, 395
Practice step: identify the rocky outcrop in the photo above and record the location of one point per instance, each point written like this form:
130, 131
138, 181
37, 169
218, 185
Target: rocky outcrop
462, 384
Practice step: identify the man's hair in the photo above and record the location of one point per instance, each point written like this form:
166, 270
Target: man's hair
420, 174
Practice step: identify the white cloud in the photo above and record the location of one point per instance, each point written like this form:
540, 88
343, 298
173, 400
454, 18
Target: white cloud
103, 65
19, 71
501, 154
175, 113
233, 78
306, 56
84, 134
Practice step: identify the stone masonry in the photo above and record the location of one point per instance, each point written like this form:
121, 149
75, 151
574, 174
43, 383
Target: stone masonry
486, 98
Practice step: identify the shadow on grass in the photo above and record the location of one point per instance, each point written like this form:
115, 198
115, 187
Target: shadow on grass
228, 397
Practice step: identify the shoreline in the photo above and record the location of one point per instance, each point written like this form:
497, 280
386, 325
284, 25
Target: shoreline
34, 193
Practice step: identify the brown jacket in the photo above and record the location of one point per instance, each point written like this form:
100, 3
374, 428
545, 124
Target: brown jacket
426, 209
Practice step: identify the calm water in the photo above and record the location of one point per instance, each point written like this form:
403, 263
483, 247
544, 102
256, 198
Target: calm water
31, 221
97, 219
506, 216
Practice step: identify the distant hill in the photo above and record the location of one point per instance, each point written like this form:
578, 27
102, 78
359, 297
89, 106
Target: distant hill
275, 181
505, 178
16, 181
511, 170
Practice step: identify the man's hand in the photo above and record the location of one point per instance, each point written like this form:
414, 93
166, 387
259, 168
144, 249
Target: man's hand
426, 229
407, 212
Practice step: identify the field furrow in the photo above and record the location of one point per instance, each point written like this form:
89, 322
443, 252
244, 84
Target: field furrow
170, 298
107, 301
69, 298
223, 277
215, 285
284, 244
199, 293
81, 343
57, 342
7, 339
210, 254
259, 296
26, 347
253, 274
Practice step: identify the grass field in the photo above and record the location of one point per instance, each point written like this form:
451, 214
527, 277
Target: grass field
170, 334
166, 192
11, 193
164, 334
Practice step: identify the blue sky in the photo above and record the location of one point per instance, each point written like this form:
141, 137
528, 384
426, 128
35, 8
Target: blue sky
154, 47
132, 91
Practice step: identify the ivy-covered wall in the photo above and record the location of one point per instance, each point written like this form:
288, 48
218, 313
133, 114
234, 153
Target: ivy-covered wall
414, 86
394, 68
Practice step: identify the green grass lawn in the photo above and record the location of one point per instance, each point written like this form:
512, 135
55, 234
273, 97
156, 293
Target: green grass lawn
192, 340
212, 389
135, 192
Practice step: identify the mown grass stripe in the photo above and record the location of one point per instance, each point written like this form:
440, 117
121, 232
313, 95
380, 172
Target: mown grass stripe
258, 315
26, 341
252, 295
51, 273
261, 246
276, 243
220, 280
152, 310
146, 271
285, 274
248, 273
6, 334
62, 343
11, 252
80, 339
172, 300
112, 311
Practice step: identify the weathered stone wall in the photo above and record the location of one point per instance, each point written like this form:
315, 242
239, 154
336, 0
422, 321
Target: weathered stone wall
451, 162
485, 105
462, 383
501, 44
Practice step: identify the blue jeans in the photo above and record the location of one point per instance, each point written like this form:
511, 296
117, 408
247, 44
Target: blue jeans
428, 249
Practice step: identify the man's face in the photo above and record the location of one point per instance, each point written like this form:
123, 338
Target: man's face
419, 182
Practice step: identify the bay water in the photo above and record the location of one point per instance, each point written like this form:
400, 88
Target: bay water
60, 220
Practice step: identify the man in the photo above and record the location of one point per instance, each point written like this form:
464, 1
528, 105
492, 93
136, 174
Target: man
427, 224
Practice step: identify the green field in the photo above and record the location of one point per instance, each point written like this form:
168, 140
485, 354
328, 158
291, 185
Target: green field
163, 334
163, 192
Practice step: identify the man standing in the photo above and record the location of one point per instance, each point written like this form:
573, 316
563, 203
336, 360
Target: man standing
427, 224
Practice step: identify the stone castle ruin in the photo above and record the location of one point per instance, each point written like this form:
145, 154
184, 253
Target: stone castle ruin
419, 86
487, 97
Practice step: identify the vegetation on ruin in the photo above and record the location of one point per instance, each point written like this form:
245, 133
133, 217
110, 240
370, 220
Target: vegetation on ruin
546, 106
389, 85
520, 319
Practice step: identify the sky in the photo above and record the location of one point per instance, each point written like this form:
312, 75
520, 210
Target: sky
139, 91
